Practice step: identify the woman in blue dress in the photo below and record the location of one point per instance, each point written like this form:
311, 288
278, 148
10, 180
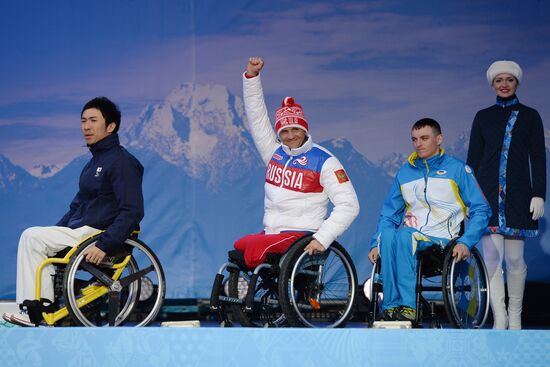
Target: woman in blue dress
507, 154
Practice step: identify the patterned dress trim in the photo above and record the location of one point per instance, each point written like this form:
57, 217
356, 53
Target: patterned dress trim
502, 228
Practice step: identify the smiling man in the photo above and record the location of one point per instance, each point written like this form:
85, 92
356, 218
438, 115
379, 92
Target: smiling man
109, 198
301, 179
427, 202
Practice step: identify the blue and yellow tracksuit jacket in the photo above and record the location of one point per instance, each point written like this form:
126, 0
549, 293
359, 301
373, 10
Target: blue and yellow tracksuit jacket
434, 196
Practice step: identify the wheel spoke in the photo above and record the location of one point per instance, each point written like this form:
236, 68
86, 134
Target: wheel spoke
91, 303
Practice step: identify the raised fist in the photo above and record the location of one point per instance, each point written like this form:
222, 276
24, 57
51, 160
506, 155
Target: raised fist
255, 64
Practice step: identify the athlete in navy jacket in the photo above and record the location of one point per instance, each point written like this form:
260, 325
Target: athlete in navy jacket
109, 198
109, 195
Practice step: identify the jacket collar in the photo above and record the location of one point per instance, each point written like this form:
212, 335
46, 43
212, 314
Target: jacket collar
104, 144
430, 162
507, 102
308, 144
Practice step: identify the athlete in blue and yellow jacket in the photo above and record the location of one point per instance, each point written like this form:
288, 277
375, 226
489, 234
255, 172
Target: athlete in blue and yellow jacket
430, 197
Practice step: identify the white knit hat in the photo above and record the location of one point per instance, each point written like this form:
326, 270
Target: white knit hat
501, 67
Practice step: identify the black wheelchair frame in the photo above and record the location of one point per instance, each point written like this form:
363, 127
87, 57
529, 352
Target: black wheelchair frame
290, 289
464, 286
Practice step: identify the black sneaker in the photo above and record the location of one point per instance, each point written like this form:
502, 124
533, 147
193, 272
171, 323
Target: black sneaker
390, 314
406, 313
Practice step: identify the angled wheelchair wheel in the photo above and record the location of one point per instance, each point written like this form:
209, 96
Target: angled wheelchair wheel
126, 289
318, 290
266, 311
375, 291
466, 290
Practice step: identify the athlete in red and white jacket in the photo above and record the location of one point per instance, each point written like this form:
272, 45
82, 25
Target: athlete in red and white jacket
301, 178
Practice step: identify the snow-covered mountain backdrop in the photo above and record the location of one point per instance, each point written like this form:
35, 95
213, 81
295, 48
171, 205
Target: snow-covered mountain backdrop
203, 189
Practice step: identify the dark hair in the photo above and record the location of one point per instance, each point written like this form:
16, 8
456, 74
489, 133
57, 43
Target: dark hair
108, 109
427, 122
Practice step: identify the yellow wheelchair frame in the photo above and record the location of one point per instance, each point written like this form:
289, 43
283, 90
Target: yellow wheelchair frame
90, 293
94, 291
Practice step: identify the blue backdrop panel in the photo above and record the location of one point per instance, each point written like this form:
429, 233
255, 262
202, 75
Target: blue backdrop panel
271, 347
364, 71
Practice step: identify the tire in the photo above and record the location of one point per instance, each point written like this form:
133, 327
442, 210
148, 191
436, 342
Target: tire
318, 290
96, 313
266, 310
376, 289
466, 290
435, 324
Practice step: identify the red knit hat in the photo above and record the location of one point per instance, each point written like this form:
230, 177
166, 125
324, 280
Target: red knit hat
290, 114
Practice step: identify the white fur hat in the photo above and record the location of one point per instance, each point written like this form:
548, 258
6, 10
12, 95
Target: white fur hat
501, 67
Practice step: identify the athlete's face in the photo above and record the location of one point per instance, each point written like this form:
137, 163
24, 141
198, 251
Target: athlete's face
292, 137
426, 142
94, 127
505, 85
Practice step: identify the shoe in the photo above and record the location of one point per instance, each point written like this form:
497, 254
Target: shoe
498, 304
390, 314
516, 287
7, 316
406, 313
21, 319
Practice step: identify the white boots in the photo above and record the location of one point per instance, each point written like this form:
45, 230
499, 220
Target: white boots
498, 305
516, 285
496, 250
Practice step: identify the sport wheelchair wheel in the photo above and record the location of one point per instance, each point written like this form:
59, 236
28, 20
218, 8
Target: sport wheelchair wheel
317, 290
127, 288
266, 310
375, 291
466, 290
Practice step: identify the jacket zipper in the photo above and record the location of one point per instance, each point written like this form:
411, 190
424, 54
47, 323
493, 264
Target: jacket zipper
426, 194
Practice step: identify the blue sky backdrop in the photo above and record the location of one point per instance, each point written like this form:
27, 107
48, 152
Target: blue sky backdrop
364, 70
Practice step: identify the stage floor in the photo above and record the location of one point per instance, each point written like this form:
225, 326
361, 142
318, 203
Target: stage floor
210, 345
214, 346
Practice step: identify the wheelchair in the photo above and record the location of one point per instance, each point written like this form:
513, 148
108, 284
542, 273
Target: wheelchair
463, 288
127, 288
290, 289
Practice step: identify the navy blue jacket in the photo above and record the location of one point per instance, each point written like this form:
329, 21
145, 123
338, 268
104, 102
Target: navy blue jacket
526, 166
109, 195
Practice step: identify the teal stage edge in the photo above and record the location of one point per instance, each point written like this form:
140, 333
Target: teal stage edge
156, 346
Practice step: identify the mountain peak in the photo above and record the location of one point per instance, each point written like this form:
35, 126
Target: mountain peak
45, 170
459, 149
13, 177
198, 128
390, 164
345, 152
192, 96
340, 143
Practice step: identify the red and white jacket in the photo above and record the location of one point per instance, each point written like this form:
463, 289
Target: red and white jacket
299, 182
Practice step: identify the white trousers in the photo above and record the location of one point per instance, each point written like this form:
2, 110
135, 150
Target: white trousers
496, 249
35, 245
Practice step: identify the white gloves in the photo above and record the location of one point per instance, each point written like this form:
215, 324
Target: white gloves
537, 207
